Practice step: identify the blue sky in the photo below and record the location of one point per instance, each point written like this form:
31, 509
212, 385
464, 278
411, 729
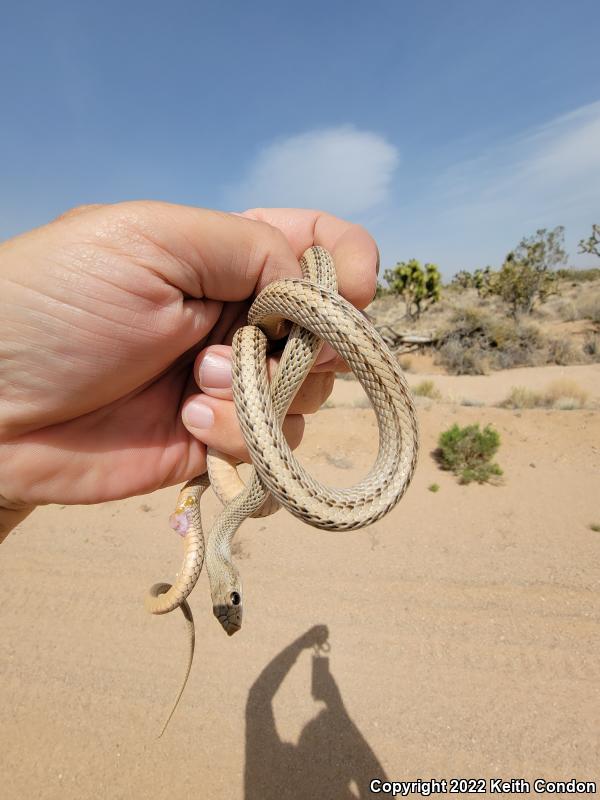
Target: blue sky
449, 129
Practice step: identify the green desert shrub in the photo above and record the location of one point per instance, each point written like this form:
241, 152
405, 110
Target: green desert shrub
527, 274
591, 245
468, 451
420, 286
462, 280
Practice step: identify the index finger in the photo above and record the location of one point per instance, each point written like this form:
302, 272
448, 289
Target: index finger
218, 255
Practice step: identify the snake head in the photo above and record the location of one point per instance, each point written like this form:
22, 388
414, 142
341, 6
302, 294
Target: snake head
229, 611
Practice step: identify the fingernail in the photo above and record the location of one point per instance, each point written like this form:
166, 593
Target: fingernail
198, 415
215, 372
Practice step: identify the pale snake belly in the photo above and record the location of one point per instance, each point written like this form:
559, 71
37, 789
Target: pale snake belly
317, 313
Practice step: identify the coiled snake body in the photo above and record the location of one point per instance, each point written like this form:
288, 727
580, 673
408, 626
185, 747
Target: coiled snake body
317, 313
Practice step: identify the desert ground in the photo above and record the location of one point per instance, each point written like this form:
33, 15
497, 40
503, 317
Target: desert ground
462, 629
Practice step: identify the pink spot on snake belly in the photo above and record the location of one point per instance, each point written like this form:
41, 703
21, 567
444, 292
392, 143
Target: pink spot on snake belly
179, 522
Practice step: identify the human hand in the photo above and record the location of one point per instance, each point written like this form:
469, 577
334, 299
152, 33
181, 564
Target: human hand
109, 318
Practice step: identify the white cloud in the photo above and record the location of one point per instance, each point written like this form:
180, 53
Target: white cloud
477, 210
545, 177
342, 170
465, 216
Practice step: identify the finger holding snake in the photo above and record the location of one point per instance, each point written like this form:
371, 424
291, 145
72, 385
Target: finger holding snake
210, 415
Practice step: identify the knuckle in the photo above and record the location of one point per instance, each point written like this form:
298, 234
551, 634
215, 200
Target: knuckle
313, 393
293, 429
77, 210
265, 245
321, 389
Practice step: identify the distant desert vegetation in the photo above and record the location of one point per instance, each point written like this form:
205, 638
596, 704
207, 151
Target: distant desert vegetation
530, 312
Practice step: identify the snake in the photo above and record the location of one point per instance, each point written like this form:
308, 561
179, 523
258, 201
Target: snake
308, 311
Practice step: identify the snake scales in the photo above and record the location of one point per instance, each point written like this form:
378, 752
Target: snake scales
317, 313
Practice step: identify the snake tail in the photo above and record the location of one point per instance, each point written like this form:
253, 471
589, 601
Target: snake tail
155, 591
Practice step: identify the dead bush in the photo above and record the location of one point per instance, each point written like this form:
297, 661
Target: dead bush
565, 389
563, 352
562, 394
591, 346
427, 389
589, 308
460, 358
476, 340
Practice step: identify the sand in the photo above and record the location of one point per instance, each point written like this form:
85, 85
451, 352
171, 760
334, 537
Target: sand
463, 628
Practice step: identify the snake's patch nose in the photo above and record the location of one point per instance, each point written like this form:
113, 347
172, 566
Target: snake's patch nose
230, 618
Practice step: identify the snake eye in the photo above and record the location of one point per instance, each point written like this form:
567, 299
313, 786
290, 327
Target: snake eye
235, 598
